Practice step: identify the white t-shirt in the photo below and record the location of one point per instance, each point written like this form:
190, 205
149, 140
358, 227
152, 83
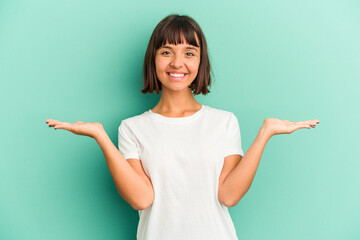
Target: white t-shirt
183, 157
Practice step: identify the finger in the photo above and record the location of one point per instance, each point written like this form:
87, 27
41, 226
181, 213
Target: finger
47, 121
65, 126
309, 122
296, 127
306, 126
60, 127
314, 122
54, 122
51, 121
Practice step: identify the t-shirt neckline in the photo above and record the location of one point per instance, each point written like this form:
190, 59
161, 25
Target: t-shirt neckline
178, 119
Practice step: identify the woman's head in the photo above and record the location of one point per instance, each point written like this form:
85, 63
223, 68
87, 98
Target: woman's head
177, 44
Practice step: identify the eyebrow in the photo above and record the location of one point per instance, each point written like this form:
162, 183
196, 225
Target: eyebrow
166, 46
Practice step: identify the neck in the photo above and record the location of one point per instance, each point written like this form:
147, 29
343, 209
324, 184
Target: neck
176, 103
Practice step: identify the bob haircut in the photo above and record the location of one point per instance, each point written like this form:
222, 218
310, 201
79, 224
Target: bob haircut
171, 29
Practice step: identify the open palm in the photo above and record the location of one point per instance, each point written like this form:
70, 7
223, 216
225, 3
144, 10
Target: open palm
277, 126
79, 128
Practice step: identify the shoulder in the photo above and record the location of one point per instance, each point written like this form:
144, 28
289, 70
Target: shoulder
134, 121
218, 113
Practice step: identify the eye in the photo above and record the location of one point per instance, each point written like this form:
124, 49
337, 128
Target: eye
190, 53
163, 53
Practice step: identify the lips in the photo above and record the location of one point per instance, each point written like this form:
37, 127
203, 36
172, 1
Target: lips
168, 73
177, 76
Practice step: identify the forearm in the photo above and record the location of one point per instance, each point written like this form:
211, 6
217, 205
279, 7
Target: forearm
130, 185
237, 183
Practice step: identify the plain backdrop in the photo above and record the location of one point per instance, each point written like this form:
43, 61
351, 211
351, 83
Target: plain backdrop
77, 60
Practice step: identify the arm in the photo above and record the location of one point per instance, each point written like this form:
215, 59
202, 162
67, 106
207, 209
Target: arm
130, 185
238, 181
130, 180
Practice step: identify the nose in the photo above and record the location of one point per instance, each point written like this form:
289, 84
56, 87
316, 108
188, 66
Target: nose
176, 61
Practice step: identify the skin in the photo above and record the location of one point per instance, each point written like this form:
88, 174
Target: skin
177, 101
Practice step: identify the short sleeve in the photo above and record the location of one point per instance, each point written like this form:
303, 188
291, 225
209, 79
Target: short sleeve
233, 137
126, 143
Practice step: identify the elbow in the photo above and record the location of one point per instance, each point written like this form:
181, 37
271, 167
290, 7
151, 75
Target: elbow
229, 203
231, 200
226, 201
139, 207
142, 205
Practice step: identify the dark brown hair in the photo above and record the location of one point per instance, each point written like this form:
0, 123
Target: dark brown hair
171, 29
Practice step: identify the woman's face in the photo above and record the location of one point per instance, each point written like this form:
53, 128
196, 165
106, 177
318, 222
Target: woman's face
177, 65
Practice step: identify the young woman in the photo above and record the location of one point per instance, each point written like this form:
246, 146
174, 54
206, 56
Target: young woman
181, 163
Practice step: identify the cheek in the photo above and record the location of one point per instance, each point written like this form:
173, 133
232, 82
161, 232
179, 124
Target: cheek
194, 66
160, 65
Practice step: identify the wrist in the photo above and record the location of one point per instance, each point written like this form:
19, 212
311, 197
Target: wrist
99, 134
265, 132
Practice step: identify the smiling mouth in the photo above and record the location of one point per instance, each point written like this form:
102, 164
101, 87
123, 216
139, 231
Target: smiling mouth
176, 75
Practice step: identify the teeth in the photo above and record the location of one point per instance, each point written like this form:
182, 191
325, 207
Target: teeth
176, 75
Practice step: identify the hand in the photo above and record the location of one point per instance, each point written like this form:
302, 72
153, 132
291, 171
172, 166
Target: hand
276, 126
79, 128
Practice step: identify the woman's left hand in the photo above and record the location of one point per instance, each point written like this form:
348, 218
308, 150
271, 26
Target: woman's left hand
276, 126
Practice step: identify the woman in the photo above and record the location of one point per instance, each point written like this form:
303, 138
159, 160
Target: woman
181, 164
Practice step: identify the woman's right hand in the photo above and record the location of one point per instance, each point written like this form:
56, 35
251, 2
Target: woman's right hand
90, 129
